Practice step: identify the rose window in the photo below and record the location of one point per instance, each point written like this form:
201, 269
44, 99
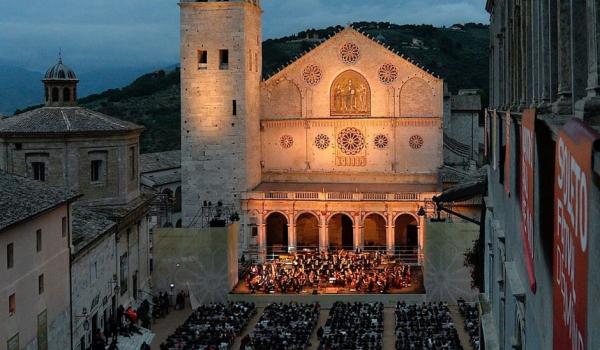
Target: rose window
381, 141
416, 141
286, 141
350, 53
312, 74
388, 73
351, 141
322, 141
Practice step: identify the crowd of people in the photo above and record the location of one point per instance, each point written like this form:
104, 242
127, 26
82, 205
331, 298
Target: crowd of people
353, 326
470, 314
283, 327
211, 326
426, 326
362, 272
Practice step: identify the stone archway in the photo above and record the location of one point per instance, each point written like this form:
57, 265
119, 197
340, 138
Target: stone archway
277, 233
374, 232
307, 231
406, 231
340, 230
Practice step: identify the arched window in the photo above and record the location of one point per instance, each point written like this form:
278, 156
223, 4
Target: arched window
66, 95
177, 207
75, 94
47, 93
55, 94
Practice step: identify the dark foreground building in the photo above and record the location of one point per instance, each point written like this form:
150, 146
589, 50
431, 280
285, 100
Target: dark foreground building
542, 227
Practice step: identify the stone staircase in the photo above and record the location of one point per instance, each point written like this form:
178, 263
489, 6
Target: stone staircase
136, 340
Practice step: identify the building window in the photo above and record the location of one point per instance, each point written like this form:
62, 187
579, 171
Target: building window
54, 94
64, 226
10, 257
202, 59
132, 163
96, 171
223, 59
39, 171
66, 95
41, 284
124, 272
42, 331
12, 304
13, 343
38, 240
234, 107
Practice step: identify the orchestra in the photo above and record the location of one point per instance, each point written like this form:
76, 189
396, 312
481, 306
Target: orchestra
362, 272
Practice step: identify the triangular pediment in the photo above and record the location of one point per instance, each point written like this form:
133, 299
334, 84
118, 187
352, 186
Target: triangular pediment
344, 44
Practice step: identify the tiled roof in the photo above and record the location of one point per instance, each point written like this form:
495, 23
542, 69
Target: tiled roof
163, 179
120, 211
63, 120
23, 198
151, 162
88, 225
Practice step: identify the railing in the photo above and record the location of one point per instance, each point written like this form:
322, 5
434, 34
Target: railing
337, 196
409, 255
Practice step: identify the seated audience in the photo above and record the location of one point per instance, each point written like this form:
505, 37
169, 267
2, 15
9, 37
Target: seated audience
353, 326
212, 326
425, 327
284, 327
470, 314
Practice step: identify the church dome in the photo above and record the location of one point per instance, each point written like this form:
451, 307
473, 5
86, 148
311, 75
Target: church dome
60, 72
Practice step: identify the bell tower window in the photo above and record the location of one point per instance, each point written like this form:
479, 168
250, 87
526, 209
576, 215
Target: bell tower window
202, 59
223, 59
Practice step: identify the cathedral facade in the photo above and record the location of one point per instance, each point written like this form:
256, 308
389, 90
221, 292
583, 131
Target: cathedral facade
340, 148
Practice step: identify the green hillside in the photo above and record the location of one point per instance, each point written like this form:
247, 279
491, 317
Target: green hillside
460, 56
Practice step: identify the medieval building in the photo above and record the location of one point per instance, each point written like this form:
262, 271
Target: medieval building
340, 148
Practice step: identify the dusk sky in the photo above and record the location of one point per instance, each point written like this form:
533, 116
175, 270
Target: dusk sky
144, 33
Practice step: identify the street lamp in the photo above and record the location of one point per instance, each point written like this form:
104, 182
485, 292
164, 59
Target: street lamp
115, 283
86, 322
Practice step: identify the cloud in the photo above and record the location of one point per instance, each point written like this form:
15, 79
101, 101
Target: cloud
122, 33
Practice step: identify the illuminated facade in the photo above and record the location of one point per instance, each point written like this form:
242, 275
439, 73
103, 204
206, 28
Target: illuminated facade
338, 149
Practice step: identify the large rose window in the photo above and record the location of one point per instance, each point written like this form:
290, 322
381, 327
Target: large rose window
351, 141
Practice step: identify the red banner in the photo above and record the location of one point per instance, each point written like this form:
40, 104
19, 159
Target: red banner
527, 191
507, 124
571, 231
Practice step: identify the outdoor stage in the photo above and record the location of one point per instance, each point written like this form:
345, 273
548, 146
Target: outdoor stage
327, 292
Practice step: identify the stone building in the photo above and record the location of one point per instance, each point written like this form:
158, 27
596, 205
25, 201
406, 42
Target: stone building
97, 156
542, 227
340, 148
35, 228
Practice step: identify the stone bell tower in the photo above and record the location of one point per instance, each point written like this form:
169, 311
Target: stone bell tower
221, 60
